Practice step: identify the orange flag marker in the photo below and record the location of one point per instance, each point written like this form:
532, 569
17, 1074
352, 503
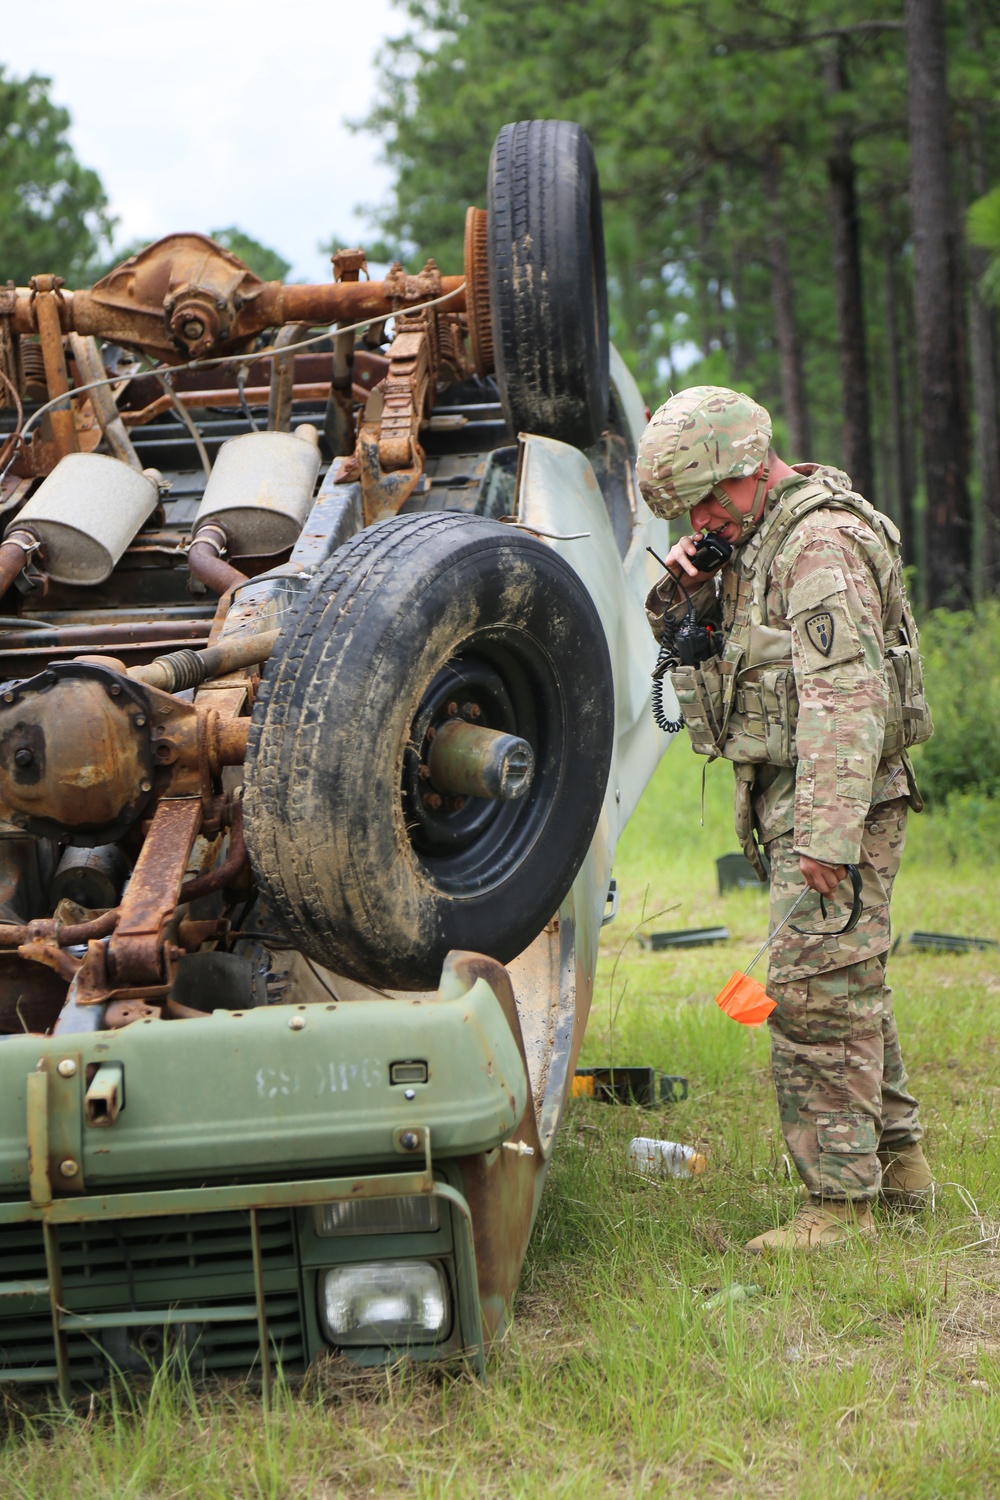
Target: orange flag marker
745, 1000
741, 997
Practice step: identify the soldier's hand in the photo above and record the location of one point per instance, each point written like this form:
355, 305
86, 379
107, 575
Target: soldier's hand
820, 877
678, 561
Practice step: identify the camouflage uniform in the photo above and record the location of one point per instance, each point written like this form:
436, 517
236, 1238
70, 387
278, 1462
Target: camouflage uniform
823, 789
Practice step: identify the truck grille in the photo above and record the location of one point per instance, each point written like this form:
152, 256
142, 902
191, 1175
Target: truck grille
198, 1260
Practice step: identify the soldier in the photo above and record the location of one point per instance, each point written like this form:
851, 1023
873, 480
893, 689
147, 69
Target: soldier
815, 698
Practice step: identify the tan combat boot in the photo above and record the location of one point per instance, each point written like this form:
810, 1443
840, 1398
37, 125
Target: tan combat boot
907, 1181
816, 1225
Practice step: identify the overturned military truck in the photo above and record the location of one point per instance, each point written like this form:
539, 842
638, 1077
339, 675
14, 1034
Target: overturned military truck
324, 697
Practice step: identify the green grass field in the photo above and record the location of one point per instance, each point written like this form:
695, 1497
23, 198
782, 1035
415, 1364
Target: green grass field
870, 1371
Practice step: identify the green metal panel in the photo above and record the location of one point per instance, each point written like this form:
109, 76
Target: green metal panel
276, 1090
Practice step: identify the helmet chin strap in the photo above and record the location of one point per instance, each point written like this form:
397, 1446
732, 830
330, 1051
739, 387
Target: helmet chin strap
747, 521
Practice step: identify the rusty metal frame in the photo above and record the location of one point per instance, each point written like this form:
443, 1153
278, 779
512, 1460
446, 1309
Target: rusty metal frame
186, 298
135, 950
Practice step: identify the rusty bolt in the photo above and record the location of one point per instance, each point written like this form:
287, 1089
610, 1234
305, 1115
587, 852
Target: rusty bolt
66, 1068
452, 708
69, 1167
145, 786
409, 1140
115, 689
432, 800
24, 757
296, 1023
471, 710
430, 733
424, 773
454, 804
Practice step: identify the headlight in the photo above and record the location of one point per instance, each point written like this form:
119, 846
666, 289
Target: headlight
385, 1302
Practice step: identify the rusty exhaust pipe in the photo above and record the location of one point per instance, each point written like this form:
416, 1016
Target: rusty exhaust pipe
14, 556
206, 562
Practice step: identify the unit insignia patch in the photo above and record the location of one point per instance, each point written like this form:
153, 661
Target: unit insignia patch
819, 629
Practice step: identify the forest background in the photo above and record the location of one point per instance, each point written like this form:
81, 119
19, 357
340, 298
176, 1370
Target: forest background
802, 200
786, 192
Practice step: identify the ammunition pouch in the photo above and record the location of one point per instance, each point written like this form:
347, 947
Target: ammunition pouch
752, 722
701, 698
908, 718
757, 726
762, 724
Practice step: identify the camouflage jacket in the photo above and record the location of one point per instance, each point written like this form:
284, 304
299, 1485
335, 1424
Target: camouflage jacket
806, 699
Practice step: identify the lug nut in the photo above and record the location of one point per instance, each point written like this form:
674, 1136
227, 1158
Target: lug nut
424, 773
452, 708
471, 710
433, 801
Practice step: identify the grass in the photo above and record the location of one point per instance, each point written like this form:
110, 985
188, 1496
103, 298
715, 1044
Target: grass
862, 1372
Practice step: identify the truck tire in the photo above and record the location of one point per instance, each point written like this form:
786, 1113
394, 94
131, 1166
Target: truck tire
413, 619
548, 289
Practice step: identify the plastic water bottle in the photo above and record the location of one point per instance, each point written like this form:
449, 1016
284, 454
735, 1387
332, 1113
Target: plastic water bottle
664, 1158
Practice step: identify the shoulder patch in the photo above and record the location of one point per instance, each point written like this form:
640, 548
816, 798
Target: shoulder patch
819, 628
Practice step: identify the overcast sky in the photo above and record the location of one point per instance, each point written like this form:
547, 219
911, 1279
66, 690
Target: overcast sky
199, 114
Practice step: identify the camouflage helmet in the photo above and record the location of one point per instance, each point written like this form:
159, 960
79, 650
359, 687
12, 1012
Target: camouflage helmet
695, 439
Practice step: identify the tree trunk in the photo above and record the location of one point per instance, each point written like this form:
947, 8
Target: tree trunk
845, 229
984, 382
985, 392
899, 440
793, 385
938, 313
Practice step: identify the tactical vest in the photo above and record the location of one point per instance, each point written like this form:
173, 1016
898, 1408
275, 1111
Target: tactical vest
744, 705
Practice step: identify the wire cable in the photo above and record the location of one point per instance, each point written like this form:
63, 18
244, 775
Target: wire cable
241, 380
188, 421
666, 662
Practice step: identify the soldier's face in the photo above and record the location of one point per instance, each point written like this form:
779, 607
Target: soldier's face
708, 515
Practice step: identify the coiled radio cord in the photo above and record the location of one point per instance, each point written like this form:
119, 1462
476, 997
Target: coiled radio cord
666, 662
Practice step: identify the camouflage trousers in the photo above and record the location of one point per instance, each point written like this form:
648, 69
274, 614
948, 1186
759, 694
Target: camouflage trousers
838, 1070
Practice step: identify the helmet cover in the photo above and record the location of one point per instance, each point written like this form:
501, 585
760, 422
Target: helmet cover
698, 437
